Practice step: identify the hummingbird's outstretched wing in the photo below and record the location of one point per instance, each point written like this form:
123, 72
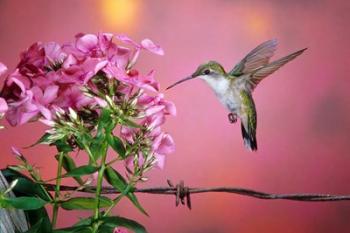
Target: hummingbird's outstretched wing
256, 58
253, 79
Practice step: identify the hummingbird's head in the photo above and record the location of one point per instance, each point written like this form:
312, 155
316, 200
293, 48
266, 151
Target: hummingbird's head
209, 70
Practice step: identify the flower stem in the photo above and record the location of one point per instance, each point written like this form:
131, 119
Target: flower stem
99, 189
57, 189
91, 156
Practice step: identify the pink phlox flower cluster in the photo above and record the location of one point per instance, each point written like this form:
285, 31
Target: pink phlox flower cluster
51, 75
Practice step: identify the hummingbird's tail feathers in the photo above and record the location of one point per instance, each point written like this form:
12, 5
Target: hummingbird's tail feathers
249, 138
259, 74
248, 119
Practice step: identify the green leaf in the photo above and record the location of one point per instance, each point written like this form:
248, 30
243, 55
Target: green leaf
68, 165
115, 179
75, 229
63, 146
84, 221
83, 139
117, 144
105, 228
119, 183
43, 140
24, 203
80, 171
132, 197
26, 187
85, 203
97, 145
36, 228
34, 216
130, 123
105, 117
123, 222
104, 120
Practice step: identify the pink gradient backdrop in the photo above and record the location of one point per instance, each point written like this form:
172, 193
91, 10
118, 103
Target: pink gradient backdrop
303, 109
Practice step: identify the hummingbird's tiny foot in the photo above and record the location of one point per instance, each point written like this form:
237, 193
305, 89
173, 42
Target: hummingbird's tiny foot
232, 117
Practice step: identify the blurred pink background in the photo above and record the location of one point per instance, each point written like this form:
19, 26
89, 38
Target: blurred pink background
303, 109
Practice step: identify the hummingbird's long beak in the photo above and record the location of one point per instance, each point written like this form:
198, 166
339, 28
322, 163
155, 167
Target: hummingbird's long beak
181, 81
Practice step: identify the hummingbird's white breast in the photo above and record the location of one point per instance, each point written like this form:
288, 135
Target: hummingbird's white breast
227, 95
218, 83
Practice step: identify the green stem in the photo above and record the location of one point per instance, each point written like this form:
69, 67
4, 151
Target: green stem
91, 156
57, 190
99, 189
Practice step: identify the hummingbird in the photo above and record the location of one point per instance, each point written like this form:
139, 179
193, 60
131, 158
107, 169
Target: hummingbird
234, 88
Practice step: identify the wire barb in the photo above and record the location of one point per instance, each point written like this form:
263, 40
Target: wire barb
182, 194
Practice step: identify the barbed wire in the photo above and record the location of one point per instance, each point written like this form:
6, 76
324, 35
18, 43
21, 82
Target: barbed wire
183, 193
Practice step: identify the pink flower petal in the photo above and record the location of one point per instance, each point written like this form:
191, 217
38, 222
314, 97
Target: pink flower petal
15, 151
50, 94
152, 47
3, 105
149, 83
156, 141
86, 42
37, 93
154, 109
155, 132
160, 160
82, 101
156, 120
105, 41
100, 102
170, 107
120, 230
91, 66
134, 58
145, 100
127, 40
127, 133
71, 49
121, 58
53, 52
166, 145
69, 61
3, 68
18, 83
47, 122
26, 117
117, 73
45, 112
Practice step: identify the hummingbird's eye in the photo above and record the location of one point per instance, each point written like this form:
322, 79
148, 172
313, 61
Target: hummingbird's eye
206, 72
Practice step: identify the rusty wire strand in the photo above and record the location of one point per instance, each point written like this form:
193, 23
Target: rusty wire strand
182, 193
